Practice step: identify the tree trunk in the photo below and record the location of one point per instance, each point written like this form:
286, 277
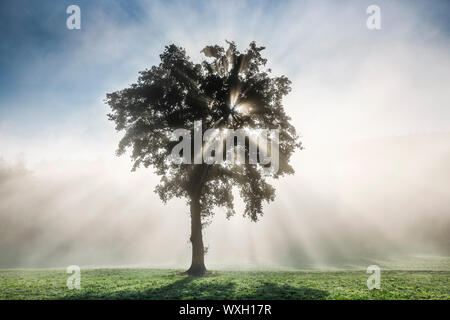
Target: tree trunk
198, 251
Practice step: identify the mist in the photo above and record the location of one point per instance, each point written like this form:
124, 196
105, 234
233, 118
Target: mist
378, 199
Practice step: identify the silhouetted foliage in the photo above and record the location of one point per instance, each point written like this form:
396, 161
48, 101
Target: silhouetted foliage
178, 92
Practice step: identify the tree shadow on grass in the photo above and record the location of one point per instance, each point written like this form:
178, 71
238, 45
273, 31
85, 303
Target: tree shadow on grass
190, 288
273, 291
193, 288
185, 288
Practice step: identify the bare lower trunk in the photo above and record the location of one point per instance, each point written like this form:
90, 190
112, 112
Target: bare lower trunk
198, 252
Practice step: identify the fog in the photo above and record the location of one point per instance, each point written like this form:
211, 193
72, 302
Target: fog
378, 199
372, 107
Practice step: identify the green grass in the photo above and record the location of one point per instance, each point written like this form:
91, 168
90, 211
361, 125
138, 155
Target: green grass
170, 284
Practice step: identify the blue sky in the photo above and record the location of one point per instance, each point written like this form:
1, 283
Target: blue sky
53, 79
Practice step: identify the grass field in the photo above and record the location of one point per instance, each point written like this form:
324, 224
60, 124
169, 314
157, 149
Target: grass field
170, 284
